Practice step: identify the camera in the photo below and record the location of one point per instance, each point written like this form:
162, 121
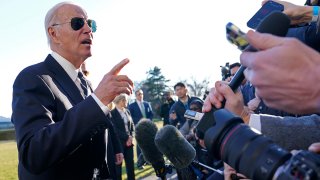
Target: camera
252, 154
225, 71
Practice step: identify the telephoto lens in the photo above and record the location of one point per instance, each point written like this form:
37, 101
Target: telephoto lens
244, 149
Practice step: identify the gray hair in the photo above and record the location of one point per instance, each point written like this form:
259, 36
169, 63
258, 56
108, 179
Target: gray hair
120, 98
51, 16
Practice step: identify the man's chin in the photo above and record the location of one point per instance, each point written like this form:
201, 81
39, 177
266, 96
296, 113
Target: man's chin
88, 54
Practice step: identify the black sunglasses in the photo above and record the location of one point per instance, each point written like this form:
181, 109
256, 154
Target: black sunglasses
77, 23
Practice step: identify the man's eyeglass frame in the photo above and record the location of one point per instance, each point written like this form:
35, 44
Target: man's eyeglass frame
78, 22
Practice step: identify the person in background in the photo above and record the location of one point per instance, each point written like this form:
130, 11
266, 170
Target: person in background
233, 69
124, 127
140, 109
179, 108
165, 107
187, 130
62, 130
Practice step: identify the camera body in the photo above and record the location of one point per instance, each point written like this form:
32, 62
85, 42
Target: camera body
252, 154
303, 165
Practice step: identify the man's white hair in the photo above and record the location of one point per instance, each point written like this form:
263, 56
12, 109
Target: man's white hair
51, 15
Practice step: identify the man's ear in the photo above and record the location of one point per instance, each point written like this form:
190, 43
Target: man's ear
53, 35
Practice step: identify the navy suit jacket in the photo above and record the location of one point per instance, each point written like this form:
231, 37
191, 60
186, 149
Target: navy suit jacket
59, 134
136, 112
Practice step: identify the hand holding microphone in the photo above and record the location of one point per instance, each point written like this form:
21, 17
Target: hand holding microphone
277, 24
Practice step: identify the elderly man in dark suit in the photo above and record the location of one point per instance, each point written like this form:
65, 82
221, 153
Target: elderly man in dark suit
61, 130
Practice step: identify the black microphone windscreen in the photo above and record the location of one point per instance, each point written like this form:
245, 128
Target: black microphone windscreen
174, 146
276, 23
145, 133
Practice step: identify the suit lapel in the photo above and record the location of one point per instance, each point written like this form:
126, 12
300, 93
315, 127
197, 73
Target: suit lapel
65, 82
117, 114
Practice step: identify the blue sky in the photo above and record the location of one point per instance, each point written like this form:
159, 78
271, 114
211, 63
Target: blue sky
185, 38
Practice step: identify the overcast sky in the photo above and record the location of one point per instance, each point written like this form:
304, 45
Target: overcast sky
185, 38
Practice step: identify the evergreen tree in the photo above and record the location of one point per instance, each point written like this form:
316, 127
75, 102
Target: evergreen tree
154, 86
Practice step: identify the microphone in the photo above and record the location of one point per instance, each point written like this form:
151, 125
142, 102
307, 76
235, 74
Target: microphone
277, 24
145, 134
174, 146
177, 149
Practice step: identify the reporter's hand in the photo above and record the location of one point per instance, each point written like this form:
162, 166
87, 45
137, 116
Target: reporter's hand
234, 102
284, 73
297, 14
113, 84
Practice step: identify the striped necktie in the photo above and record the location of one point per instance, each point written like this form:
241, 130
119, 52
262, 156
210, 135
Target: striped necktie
83, 83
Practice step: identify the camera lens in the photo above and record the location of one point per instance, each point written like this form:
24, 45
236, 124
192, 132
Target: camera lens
247, 151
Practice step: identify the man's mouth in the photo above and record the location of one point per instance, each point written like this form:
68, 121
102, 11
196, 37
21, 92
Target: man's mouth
86, 41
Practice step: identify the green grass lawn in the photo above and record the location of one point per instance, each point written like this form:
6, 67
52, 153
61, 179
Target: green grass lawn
9, 162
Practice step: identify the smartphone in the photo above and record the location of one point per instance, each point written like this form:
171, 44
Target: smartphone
236, 36
266, 9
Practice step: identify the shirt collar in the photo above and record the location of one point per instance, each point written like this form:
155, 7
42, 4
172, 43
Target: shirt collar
141, 102
66, 65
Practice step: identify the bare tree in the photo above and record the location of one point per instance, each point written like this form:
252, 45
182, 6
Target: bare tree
197, 88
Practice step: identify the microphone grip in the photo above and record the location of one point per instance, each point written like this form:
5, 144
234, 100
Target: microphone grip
235, 82
237, 79
239, 76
